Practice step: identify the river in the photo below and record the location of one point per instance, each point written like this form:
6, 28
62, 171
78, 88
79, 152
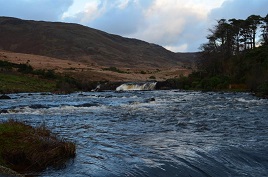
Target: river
152, 133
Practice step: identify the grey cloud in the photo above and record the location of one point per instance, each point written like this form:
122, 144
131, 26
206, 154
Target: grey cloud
175, 28
113, 19
119, 21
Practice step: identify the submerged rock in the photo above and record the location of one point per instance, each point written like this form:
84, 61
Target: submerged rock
3, 111
4, 97
149, 100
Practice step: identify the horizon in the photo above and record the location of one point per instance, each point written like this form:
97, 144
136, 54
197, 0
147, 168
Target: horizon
177, 25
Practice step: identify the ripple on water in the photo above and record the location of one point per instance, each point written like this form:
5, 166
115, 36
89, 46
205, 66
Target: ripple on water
174, 134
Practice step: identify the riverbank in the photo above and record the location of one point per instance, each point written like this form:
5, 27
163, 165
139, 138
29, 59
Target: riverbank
14, 83
17, 78
27, 149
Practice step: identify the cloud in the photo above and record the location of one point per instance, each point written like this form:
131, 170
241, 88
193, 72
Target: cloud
122, 4
121, 17
174, 24
239, 9
182, 47
34, 9
84, 11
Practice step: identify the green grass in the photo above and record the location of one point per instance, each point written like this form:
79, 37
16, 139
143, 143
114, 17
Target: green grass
24, 83
24, 148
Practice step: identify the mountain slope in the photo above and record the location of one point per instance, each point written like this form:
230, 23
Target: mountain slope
79, 43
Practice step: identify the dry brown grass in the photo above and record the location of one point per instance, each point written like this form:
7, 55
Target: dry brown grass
90, 71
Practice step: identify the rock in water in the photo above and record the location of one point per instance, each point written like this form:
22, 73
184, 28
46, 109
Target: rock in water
3, 111
4, 97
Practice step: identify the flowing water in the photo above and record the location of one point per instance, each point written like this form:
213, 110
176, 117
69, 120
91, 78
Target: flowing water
137, 86
153, 133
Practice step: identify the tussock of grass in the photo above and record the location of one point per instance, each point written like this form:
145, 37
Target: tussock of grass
25, 149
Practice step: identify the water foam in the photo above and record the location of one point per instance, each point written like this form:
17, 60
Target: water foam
136, 86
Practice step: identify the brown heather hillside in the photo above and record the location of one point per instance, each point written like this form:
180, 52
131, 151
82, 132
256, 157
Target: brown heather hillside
84, 52
87, 72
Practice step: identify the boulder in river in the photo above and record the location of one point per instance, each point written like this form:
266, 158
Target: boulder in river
3, 111
4, 97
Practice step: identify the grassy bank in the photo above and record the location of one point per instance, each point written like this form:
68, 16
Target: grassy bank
23, 78
24, 148
10, 83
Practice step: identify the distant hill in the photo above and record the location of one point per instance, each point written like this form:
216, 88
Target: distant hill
190, 58
80, 43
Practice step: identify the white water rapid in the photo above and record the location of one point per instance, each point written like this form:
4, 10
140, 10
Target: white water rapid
136, 86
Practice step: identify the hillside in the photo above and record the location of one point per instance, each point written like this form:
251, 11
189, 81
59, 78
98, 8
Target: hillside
83, 44
87, 72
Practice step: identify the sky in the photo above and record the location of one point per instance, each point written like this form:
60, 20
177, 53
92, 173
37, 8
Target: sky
177, 25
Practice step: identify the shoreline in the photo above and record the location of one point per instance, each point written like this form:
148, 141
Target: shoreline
116, 84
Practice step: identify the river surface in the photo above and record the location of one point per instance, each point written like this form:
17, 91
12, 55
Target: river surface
153, 133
